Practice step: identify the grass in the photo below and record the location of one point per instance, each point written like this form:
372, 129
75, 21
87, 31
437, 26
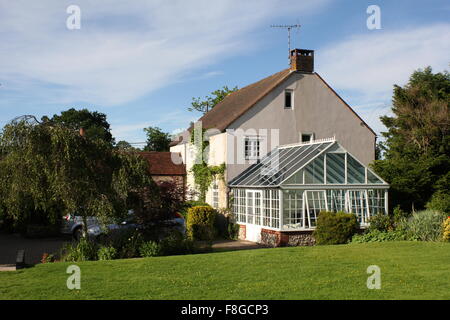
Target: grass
409, 270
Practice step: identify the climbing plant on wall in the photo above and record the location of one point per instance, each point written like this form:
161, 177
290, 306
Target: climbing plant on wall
203, 173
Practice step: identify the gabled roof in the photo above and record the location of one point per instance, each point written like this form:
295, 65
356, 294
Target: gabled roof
239, 102
278, 166
161, 163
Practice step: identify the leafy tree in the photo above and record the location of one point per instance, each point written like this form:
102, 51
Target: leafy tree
417, 144
94, 123
157, 140
125, 146
211, 101
51, 170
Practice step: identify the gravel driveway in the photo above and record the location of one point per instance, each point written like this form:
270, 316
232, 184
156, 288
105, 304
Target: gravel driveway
34, 248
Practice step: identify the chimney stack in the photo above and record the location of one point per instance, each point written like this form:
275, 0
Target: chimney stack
302, 60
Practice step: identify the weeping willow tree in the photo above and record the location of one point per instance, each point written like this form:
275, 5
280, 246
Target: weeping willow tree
50, 170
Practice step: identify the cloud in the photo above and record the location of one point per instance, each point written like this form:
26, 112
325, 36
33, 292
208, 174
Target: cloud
365, 67
124, 50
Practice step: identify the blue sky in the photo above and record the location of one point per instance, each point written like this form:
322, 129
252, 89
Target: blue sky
141, 62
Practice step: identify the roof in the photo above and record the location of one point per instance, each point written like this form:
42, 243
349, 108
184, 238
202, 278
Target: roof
164, 163
237, 103
280, 164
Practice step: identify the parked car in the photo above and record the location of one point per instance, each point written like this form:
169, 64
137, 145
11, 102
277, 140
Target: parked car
73, 225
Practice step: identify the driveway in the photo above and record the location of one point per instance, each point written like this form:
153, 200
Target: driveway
34, 248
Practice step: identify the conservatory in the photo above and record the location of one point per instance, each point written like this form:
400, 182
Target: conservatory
279, 198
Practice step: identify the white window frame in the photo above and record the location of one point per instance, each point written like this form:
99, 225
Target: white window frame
253, 204
254, 149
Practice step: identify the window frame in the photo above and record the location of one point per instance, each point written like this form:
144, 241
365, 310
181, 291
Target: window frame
254, 149
291, 93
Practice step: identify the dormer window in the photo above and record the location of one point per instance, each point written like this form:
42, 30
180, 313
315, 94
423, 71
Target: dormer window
288, 99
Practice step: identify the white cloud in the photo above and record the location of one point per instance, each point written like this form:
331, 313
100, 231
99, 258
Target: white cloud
124, 50
367, 66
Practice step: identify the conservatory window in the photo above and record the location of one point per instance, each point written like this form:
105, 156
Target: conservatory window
371, 178
376, 201
335, 167
314, 171
271, 209
357, 204
336, 200
293, 209
315, 202
239, 205
356, 173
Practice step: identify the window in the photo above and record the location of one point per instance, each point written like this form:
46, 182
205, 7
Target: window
307, 137
251, 148
288, 95
215, 194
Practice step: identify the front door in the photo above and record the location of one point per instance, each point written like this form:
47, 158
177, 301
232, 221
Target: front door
254, 204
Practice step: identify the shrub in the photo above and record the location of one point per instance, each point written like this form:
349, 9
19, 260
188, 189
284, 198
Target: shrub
440, 201
129, 246
47, 258
176, 243
381, 222
189, 204
379, 236
82, 250
150, 249
446, 227
335, 228
200, 223
425, 225
106, 253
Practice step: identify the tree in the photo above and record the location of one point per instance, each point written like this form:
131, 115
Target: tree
211, 101
95, 124
125, 146
157, 140
417, 144
49, 170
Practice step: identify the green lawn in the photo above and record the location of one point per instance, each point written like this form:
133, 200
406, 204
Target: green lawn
409, 270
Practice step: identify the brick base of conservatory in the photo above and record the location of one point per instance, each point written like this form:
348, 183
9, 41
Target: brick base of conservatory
272, 238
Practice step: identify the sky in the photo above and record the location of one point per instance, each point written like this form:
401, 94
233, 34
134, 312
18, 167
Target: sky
141, 62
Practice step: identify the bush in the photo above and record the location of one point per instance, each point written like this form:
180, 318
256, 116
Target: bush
200, 223
381, 222
176, 243
440, 201
425, 225
106, 253
189, 204
48, 258
150, 249
335, 228
82, 250
446, 227
379, 236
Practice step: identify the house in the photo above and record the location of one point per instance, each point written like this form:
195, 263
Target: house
166, 167
289, 111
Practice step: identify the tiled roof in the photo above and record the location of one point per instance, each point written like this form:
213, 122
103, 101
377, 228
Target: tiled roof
239, 102
164, 163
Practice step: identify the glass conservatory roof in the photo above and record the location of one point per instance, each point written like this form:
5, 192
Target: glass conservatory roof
305, 164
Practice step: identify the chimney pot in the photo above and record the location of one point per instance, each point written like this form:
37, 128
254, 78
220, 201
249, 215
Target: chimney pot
302, 60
